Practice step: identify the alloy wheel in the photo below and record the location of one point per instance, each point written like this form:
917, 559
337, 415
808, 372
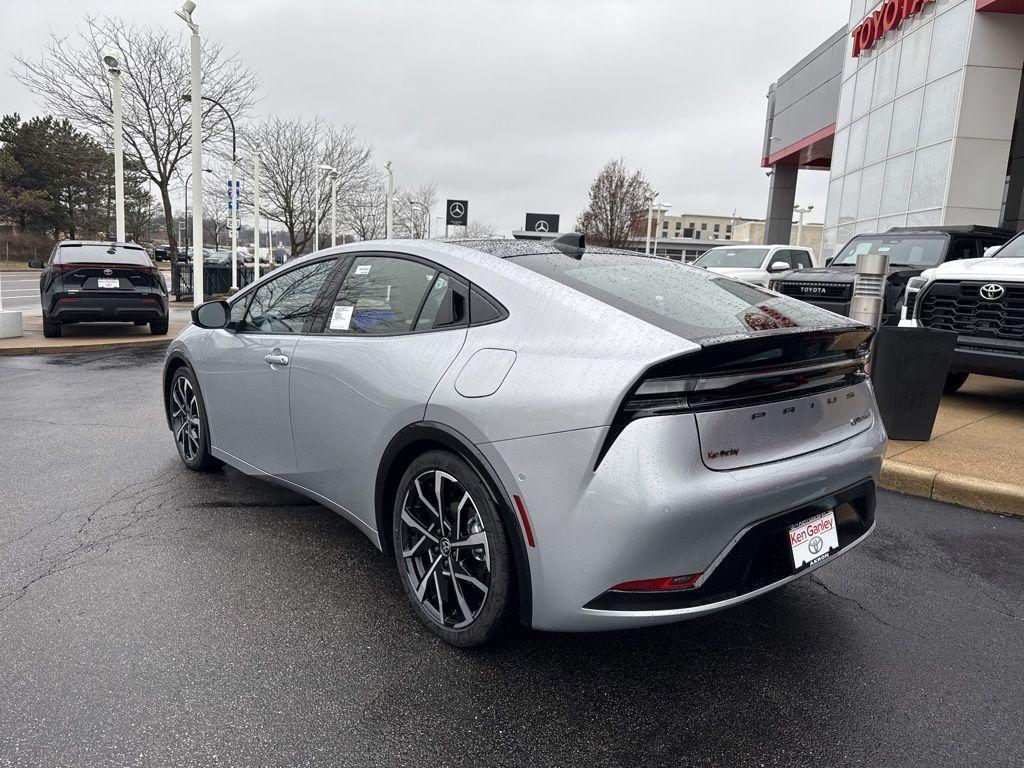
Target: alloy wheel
445, 549
185, 418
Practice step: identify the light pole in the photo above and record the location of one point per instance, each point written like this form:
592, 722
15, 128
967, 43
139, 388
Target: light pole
256, 213
232, 189
320, 170
426, 213
801, 212
334, 209
185, 14
663, 208
650, 215
187, 179
390, 219
113, 65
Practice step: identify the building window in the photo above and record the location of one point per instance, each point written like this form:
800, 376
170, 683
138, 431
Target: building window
704, 226
718, 227
728, 227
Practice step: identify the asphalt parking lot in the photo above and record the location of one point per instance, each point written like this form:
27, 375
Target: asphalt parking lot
151, 616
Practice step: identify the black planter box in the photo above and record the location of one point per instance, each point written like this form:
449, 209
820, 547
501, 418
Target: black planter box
908, 370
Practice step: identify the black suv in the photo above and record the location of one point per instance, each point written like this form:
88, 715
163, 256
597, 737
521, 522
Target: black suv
86, 282
911, 251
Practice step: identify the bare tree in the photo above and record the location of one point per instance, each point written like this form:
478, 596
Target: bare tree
366, 213
480, 230
414, 209
73, 84
292, 152
616, 198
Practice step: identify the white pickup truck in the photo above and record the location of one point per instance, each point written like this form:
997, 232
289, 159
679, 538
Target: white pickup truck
755, 263
983, 301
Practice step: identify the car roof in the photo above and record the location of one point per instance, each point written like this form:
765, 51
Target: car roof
508, 249
968, 229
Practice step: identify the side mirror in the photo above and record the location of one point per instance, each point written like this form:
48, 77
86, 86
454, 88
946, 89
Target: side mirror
991, 251
35, 264
212, 314
779, 266
829, 260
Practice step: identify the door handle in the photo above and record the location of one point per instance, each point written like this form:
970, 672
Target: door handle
275, 360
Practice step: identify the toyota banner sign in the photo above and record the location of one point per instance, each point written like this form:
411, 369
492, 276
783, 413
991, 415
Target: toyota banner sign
542, 222
457, 213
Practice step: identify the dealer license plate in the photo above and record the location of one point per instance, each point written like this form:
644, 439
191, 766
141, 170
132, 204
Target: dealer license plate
813, 540
108, 282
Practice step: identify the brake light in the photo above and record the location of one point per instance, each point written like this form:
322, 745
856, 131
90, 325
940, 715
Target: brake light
70, 301
666, 584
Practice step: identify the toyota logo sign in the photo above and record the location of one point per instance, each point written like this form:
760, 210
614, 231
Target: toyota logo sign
992, 292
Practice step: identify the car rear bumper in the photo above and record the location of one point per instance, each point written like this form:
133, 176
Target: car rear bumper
128, 307
652, 509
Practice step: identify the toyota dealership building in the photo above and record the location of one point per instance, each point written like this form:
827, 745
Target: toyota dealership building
914, 109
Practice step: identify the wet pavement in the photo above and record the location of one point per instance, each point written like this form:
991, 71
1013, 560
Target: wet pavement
152, 616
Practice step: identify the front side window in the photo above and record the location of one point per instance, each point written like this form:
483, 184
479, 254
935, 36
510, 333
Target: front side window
693, 303
284, 304
744, 258
802, 260
381, 295
913, 252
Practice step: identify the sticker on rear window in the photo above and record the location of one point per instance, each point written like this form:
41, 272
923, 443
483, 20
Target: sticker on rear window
363, 270
341, 318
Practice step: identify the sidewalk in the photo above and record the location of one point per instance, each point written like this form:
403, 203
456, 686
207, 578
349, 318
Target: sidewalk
976, 454
89, 337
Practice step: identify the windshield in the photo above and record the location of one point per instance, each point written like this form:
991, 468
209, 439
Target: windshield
1012, 250
917, 252
693, 303
749, 258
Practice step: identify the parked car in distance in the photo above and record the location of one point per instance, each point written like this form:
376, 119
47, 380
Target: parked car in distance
161, 253
579, 438
911, 251
91, 281
755, 263
983, 301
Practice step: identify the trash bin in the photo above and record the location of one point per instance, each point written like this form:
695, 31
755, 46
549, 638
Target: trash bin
908, 370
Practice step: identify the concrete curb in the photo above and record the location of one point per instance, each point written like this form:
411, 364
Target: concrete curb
965, 490
98, 346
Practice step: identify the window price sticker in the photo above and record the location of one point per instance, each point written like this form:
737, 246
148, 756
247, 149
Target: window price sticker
341, 318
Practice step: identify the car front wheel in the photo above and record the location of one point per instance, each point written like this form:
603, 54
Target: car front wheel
452, 551
189, 423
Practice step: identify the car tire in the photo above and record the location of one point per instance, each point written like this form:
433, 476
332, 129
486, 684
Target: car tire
51, 329
192, 439
158, 327
456, 568
954, 381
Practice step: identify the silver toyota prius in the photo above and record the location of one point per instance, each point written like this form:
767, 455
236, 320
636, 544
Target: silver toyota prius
576, 438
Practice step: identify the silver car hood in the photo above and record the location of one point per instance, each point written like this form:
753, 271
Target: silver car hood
979, 269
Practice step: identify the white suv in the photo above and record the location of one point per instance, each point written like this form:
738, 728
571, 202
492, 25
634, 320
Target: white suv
755, 263
983, 301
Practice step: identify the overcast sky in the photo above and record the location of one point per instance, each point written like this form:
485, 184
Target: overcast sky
513, 104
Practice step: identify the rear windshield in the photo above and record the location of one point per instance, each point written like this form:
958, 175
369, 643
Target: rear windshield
920, 252
750, 258
693, 303
101, 254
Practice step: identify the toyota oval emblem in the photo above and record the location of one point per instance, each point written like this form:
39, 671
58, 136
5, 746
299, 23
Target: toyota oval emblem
815, 545
992, 292
108, 271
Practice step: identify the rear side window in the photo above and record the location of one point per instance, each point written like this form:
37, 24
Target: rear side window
446, 306
101, 254
693, 303
380, 295
801, 260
